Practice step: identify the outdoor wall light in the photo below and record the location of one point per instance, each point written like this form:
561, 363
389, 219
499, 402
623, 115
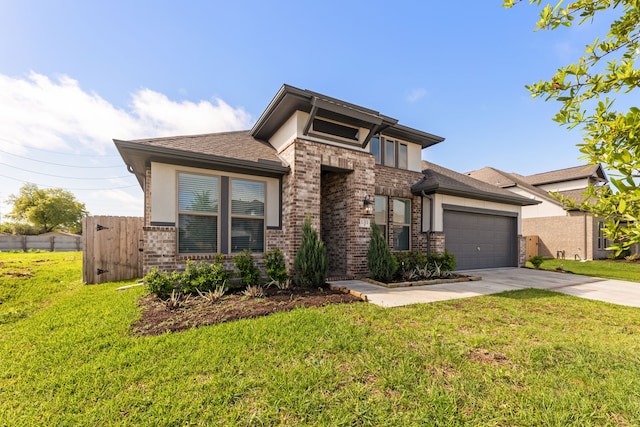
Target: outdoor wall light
368, 204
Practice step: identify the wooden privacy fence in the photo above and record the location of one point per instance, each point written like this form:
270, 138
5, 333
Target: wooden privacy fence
112, 248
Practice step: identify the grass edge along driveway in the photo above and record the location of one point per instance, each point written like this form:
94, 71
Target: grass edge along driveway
526, 357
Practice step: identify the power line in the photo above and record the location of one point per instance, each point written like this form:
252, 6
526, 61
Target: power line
60, 164
60, 176
69, 188
56, 152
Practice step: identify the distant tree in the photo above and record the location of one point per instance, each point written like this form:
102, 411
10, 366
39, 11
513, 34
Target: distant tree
606, 68
47, 209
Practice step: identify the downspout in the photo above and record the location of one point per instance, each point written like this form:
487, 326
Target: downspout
431, 209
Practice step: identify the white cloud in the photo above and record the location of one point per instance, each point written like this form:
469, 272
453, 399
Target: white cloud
416, 94
43, 120
39, 112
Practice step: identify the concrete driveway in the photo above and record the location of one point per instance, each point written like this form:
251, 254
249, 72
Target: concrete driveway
499, 280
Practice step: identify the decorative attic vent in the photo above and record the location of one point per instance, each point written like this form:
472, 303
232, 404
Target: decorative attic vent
335, 129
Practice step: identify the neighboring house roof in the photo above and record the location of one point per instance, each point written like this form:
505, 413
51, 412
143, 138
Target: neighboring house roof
493, 176
231, 151
568, 174
290, 99
438, 179
507, 180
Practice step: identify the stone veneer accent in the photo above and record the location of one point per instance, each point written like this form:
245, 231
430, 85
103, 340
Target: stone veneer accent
522, 250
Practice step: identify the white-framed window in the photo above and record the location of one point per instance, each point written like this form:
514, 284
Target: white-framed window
220, 214
247, 215
198, 213
401, 224
380, 214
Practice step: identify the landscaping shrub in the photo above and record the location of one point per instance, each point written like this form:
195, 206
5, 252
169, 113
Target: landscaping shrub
310, 264
159, 283
247, 271
276, 267
445, 261
196, 278
382, 265
536, 261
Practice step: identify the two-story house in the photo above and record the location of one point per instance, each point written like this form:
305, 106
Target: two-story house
312, 155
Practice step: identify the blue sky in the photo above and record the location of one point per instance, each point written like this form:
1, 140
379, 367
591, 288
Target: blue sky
76, 74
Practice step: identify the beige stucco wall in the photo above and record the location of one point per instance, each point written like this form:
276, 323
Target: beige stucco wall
576, 184
294, 126
543, 209
164, 184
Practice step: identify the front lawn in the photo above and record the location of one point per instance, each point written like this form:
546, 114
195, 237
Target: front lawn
608, 269
519, 358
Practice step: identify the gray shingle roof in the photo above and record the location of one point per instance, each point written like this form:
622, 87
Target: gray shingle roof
505, 180
231, 151
438, 179
568, 174
234, 145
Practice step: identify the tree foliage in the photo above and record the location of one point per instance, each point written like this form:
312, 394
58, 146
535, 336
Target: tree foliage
586, 91
47, 209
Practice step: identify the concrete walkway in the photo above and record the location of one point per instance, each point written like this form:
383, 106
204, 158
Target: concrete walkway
499, 280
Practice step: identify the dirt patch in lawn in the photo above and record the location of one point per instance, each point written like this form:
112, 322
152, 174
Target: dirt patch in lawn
194, 312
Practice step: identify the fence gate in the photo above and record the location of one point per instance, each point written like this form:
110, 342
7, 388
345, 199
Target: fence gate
111, 248
531, 248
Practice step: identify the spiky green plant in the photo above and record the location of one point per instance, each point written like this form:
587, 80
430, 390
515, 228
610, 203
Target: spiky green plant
310, 265
382, 265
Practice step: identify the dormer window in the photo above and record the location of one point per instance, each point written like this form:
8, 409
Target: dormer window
336, 129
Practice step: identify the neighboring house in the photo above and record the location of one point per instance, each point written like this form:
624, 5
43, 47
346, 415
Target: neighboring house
562, 232
311, 155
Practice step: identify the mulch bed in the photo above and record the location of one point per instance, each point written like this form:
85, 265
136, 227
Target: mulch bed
194, 312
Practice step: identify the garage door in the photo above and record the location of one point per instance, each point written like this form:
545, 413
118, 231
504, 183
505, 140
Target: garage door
481, 240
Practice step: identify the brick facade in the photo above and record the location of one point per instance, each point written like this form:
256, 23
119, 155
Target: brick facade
329, 184
576, 234
397, 183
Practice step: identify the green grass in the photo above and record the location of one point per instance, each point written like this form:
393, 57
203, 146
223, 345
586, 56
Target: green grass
600, 268
523, 358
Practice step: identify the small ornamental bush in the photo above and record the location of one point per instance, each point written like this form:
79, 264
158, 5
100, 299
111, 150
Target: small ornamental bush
446, 262
247, 271
310, 265
536, 261
382, 265
276, 267
159, 283
196, 278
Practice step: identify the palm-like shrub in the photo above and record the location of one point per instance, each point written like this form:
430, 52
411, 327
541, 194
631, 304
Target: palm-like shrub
382, 265
310, 265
